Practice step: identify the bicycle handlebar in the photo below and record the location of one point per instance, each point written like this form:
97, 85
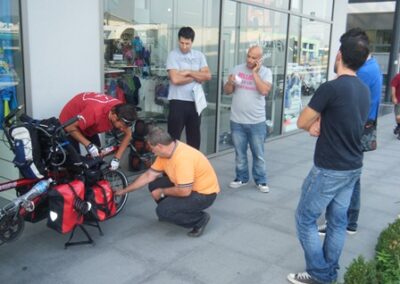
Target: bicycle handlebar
92, 162
69, 122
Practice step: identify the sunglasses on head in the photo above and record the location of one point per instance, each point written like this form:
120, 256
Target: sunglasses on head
124, 120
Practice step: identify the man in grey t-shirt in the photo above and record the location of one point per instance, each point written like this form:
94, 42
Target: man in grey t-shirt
249, 83
185, 67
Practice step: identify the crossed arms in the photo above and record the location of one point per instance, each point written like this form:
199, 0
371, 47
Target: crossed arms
309, 120
182, 77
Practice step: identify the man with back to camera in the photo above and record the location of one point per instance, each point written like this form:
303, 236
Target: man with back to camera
188, 187
185, 66
99, 113
249, 83
336, 114
370, 74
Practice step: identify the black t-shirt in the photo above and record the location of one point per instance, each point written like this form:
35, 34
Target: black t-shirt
344, 105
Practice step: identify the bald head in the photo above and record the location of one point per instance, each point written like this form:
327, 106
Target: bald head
256, 49
254, 55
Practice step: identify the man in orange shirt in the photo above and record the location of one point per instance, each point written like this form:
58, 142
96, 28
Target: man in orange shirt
181, 180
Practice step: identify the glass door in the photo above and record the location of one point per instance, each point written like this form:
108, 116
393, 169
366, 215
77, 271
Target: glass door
243, 26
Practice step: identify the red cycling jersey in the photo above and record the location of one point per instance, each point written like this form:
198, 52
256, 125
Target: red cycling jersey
94, 109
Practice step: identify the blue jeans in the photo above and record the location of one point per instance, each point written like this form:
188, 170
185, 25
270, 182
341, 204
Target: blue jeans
354, 208
253, 135
328, 190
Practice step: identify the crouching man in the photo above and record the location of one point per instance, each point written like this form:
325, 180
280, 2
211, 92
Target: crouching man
181, 180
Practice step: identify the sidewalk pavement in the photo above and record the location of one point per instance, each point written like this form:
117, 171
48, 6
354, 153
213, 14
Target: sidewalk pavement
251, 237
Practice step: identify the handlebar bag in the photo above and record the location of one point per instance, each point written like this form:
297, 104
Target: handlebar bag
101, 196
65, 210
27, 151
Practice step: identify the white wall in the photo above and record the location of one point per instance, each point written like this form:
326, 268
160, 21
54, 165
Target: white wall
63, 52
339, 28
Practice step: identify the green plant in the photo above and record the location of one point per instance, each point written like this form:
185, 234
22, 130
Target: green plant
385, 268
388, 254
361, 272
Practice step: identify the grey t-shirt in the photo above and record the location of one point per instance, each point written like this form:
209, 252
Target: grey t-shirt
193, 60
248, 105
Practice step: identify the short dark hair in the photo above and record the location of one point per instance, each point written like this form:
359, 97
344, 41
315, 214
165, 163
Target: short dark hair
125, 112
158, 135
186, 32
354, 48
355, 32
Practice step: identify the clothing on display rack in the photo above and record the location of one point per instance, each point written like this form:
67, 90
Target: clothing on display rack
125, 88
161, 93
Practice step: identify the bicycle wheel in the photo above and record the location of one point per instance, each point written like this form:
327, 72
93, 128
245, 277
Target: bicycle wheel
117, 180
11, 227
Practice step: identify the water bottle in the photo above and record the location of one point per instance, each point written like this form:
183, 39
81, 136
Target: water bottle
38, 189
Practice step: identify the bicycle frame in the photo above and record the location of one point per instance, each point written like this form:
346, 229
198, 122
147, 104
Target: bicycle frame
18, 183
21, 208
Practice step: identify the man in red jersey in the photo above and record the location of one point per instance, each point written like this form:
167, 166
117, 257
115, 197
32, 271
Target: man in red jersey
99, 113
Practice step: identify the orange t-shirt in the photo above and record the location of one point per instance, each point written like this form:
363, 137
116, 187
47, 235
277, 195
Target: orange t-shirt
188, 166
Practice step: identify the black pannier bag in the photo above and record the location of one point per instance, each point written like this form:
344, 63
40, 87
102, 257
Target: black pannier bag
141, 156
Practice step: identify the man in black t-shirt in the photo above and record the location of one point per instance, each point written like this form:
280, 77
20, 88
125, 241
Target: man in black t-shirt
336, 115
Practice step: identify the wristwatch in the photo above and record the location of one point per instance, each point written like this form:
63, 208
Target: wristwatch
162, 195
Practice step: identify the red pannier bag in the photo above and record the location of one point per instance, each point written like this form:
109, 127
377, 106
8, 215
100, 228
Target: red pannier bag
101, 196
64, 199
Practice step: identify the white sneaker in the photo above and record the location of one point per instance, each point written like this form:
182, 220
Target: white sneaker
263, 187
237, 183
351, 231
322, 229
301, 278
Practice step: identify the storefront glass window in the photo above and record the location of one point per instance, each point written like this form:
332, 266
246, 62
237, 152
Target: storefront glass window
306, 68
284, 4
12, 89
321, 8
138, 35
246, 25
11, 68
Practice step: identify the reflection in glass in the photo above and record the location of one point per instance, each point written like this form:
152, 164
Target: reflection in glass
246, 25
320, 9
12, 91
272, 3
11, 68
138, 36
306, 68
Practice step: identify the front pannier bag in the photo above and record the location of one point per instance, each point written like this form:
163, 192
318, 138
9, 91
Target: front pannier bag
101, 196
65, 206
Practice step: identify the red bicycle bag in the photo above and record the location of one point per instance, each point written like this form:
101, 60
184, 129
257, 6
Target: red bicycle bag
101, 196
63, 212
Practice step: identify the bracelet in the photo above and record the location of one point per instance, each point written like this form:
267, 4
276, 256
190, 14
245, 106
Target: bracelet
162, 195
